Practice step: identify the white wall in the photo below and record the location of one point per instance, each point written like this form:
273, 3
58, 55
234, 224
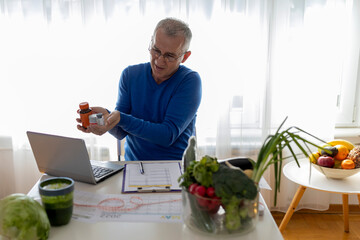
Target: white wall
18, 171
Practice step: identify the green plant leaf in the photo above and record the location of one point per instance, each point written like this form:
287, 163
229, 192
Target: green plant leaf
271, 152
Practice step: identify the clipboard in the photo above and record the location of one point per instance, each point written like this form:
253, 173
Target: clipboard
156, 177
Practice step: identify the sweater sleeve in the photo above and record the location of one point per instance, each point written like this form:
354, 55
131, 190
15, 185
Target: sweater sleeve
122, 105
180, 111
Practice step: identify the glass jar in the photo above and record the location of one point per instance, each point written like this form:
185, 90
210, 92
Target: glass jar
211, 216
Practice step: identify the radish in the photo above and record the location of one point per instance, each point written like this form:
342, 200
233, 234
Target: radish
200, 190
192, 188
210, 191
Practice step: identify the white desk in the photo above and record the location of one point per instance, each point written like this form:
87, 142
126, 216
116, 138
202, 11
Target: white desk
346, 186
266, 227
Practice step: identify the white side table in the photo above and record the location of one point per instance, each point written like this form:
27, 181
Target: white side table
300, 175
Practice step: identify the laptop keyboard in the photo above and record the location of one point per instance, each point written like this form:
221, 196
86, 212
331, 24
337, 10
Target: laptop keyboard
101, 171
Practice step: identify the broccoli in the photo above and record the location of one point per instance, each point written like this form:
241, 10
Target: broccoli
229, 182
232, 217
232, 185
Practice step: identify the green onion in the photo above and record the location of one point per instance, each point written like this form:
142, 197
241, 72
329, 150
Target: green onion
271, 152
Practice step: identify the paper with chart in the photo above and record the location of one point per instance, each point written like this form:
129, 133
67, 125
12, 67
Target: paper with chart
91, 207
156, 177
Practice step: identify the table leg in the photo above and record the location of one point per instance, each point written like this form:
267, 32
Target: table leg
298, 195
345, 198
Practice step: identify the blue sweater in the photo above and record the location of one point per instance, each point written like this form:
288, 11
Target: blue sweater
156, 119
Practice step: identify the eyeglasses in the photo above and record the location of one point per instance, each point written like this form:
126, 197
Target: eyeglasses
169, 57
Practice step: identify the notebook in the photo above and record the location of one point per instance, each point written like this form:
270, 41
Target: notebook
68, 157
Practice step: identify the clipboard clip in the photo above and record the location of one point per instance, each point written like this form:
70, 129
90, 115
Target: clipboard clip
152, 190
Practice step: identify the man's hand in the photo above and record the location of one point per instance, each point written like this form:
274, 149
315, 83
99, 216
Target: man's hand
111, 120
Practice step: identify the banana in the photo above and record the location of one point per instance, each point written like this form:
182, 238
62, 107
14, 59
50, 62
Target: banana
346, 143
313, 157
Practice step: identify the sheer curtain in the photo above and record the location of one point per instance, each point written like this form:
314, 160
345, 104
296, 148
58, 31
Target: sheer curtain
259, 61
309, 39
288, 60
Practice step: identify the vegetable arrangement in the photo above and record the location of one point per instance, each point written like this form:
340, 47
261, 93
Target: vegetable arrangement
213, 187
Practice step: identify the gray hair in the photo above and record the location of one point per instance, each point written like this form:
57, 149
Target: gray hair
175, 27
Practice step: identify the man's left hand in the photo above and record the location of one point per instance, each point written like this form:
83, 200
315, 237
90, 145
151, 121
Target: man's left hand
111, 120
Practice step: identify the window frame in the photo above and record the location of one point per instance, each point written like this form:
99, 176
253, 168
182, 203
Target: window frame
348, 98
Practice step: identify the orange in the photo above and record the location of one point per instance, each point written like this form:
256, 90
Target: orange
347, 164
342, 152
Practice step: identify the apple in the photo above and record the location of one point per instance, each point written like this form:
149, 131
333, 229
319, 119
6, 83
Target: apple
326, 161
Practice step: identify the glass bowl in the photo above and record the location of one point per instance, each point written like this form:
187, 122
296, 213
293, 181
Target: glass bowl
208, 216
337, 173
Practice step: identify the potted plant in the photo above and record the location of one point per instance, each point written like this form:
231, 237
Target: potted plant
219, 199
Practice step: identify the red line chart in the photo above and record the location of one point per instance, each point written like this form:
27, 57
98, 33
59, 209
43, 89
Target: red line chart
117, 204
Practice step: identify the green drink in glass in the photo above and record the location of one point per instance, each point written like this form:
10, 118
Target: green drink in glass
57, 198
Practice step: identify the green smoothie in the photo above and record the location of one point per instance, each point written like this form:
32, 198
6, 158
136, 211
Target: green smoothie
57, 198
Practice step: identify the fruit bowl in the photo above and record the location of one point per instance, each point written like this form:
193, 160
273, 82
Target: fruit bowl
336, 173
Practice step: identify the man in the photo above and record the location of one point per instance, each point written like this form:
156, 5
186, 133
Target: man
157, 101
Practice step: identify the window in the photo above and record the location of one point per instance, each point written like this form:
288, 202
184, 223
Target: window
250, 55
348, 96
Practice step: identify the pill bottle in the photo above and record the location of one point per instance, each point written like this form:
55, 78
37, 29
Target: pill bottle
84, 111
100, 119
93, 119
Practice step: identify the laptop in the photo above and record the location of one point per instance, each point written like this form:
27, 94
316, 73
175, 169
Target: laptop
68, 157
